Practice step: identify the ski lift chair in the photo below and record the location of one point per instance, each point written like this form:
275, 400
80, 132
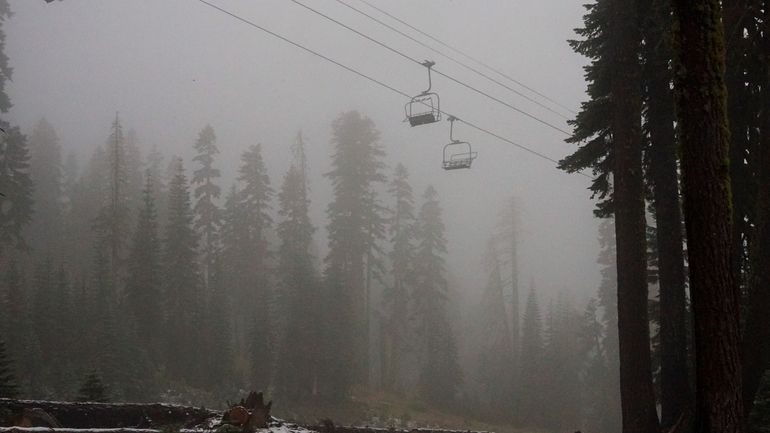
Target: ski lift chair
457, 154
424, 108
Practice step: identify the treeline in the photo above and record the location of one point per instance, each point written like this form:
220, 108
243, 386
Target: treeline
132, 269
138, 276
151, 278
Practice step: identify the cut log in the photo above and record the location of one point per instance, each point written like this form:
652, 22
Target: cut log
112, 415
250, 414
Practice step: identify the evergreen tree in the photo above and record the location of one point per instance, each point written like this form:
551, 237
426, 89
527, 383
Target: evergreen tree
440, 373
154, 168
598, 402
335, 375
20, 337
217, 333
255, 295
298, 286
496, 354
93, 390
15, 184
355, 226
86, 197
562, 361
235, 259
61, 368
5, 69
70, 173
508, 238
45, 233
609, 130
106, 341
112, 221
143, 284
208, 218
9, 387
662, 173
702, 116
134, 172
401, 227
529, 392
608, 301
46, 328
181, 282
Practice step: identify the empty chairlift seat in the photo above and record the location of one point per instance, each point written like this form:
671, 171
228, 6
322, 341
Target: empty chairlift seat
457, 154
424, 108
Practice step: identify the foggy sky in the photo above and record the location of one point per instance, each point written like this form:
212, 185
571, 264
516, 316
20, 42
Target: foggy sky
170, 67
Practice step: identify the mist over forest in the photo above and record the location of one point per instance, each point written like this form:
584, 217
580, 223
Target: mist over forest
202, 199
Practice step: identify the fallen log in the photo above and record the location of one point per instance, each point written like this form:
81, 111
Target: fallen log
112, 415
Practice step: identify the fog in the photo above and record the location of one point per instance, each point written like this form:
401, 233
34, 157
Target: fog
169, 68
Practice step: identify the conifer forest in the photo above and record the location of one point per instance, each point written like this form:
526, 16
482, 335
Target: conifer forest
484, 216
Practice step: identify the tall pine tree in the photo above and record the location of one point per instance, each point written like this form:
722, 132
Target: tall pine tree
706, 185
45, 234
112, 223
182, 284
496, 365
15, 182
356, 224
440, 374
530, 390
401, 227
256, 294
298, 284
208, 218
143, 284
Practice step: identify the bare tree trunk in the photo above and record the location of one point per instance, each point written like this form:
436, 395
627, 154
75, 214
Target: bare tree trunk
637, 396
756, 338
702, 114
675, 398
734, 16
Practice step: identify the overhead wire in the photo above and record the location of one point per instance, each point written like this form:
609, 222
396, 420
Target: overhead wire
467, 56
449, 77
453, 59
371, 79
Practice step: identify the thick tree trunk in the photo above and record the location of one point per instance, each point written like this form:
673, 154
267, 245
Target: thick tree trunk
675, 396
734, 16
702, 115
637, 396
756, 338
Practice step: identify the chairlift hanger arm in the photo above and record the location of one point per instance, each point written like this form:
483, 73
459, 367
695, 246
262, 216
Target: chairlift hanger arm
428, 64
451, 120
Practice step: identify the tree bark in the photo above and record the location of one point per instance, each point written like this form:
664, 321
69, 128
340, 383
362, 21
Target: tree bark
734, 16
675, 398
637, 396
702, 114
756, 338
